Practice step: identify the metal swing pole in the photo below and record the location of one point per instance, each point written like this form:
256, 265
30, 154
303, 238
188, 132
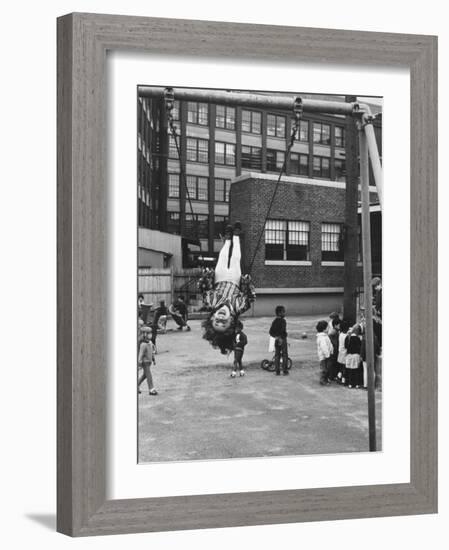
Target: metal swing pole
367, 278
248, 99
373, 151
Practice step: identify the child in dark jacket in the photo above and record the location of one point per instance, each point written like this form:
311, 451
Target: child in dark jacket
354, 371
240, 341
333, 332
278, 331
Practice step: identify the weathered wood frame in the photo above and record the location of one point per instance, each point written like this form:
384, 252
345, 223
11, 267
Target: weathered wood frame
83, 40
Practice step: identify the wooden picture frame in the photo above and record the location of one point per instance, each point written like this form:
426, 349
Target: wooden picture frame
83, 40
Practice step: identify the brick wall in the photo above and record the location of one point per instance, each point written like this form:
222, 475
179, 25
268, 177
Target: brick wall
294, 201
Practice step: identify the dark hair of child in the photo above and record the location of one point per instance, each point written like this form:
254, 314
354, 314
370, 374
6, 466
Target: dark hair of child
321, 326
279, 310
336, 322
140, 296
224, 341
344, 326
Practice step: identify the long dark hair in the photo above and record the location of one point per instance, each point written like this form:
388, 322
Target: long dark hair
224, 341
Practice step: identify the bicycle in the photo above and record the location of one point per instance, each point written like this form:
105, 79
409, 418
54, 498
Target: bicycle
270, 365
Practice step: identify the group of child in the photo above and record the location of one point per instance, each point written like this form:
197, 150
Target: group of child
342, 352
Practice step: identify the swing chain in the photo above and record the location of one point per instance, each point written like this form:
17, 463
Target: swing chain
297, 112
169, 98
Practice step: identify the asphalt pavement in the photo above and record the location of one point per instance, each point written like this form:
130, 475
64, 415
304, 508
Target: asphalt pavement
202, 413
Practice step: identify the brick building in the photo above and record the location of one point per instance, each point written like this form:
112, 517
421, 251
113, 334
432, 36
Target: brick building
300, 258
186, 190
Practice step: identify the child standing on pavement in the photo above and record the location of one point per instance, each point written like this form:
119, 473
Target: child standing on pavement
325, 350
240, 341
342, 352
333, 332
353, 344
278, 331
145, 359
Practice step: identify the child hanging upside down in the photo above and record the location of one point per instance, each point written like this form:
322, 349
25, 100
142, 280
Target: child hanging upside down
226, 294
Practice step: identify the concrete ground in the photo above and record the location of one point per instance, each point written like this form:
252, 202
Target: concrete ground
202, 413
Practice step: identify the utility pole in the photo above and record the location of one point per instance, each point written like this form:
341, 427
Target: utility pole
351, 238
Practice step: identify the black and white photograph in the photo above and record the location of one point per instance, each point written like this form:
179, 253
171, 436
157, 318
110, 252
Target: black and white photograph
224, 219
259, 273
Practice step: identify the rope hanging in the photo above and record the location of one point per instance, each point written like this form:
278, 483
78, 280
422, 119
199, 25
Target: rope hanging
297, 110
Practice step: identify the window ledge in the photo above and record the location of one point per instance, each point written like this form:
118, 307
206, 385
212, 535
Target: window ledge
333, 264
287, 262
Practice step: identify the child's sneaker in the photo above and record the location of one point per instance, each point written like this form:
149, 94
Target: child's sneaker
233, 374
242, 373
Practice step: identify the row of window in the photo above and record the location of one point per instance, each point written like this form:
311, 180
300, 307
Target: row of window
198, 151
290, 240
225, 118
285, 240
198, 187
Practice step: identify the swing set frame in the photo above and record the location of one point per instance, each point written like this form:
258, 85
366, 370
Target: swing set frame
368, 151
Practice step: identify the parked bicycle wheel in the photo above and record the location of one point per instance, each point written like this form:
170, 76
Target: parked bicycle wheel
265, 364
289, 364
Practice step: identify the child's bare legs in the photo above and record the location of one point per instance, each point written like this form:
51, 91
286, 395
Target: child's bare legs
236, 257
222, 264
233, 272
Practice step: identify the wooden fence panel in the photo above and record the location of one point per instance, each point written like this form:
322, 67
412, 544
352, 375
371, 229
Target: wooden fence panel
156, 284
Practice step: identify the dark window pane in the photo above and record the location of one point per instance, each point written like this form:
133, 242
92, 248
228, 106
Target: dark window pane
230, 118
230, 154
203, 114
331, 244
221, 116
339, 136
304, 165
280, 127
203, 150
257, 123
274, 252
192, 112
191, 187
173, 185
219, 152
246, 121
271, 125
304, 130
203, 184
